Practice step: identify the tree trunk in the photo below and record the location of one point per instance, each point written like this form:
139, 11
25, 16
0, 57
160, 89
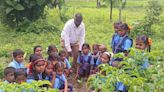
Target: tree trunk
111, 9
98, 4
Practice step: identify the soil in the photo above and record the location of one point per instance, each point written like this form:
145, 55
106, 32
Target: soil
77, 86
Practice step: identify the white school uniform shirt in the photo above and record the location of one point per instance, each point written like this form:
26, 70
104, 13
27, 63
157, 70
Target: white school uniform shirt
73, 34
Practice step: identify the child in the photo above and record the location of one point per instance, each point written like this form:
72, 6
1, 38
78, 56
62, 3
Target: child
20, 76
36, 69
50, 74
38, 50
122, 43
105, 59
18, 56
143, 43
115, 35
95, 53
63, 55
85, 62
9, 75
54, 58
61, 81
102, 49
52, 49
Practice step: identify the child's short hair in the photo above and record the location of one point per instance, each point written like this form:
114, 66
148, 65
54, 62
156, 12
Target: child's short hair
20, 72
87, 45
34, 57
35, 47
62, 52
50, 48
59, 64
103, 46
53, 56
95, 45
8, 70
17, 52
117, 23
124, 26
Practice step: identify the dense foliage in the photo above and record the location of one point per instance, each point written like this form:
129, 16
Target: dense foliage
152, 17
25, 87
130, 73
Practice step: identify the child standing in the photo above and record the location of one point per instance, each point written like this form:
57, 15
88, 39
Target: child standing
143, 43
121, 43
18, 57
85, 62
50, 74
63, 55
115, 35
9, 75
61, 81
52, 49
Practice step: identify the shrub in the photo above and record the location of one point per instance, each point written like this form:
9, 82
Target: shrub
26, 87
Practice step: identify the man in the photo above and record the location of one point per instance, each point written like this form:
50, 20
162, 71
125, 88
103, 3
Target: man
73, 36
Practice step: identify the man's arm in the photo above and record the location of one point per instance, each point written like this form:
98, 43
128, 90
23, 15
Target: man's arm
66, 37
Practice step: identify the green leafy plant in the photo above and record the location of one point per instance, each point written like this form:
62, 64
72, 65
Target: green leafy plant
14, 12
26, 87
131, 74
153, 12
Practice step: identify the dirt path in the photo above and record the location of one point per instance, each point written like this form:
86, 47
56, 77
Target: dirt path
78, 87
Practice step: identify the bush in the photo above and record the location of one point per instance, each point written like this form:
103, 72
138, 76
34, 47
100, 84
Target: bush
130, 73
39, 26
26, 87
14, 12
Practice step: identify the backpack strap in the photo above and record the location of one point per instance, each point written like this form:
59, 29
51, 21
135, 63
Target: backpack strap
81, 59
89, 59
124, 42
120, 43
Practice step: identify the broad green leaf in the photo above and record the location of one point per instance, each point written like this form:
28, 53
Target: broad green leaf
8, 10
40, 2
9, 2
19, 7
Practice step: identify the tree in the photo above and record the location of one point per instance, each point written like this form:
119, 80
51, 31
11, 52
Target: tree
98, 4
120, 4
152, 17
153, 12
16, 12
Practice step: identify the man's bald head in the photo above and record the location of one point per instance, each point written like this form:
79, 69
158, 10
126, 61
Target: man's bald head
78, 19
